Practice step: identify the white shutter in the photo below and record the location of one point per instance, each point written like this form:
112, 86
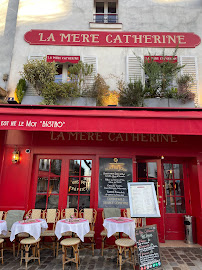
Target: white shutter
134, 71
91, 60
190, 68
31, 91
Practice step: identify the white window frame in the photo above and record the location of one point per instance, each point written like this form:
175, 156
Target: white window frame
105, 6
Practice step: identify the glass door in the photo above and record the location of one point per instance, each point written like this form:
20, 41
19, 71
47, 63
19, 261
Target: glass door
61, 181
175, 197
79, 183
150, 171
48, 183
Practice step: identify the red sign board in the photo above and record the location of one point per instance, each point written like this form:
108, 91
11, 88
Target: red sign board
63, 59
161, 59
112, 39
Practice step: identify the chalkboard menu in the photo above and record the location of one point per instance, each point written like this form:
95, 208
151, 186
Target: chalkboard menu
114, 174
148, 247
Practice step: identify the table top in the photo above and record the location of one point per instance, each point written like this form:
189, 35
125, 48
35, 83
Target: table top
3, 227
31, 226
80, 226
120, 224
119, 220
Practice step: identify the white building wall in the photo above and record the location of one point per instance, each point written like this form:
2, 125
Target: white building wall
134, 16
8, 17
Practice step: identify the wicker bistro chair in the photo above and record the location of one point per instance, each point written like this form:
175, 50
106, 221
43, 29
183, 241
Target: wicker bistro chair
26, 244
106, 213
32, 214
70, 243
66, 213
124, 245
138, 221
3, 215
1, 250
51, 216
11, 217
35, 213
90, 214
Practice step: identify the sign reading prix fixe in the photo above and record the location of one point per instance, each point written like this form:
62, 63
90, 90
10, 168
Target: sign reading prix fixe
112, 39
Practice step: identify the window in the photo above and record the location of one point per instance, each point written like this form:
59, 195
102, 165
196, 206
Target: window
58, 77
174, 188
106, 12
48, 184
79, 184
63, 75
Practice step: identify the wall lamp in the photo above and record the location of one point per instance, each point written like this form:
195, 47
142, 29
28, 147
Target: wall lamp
16, 156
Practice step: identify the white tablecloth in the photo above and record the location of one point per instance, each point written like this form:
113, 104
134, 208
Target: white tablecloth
34, 228
3, 227
126, 225
79, 226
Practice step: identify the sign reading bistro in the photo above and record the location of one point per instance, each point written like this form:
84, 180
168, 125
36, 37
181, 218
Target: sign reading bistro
112, 39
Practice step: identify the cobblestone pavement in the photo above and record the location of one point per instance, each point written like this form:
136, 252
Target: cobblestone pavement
172, 259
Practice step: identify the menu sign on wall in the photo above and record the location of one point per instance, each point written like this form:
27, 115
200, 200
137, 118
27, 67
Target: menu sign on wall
148, 247
114, 175
143, 200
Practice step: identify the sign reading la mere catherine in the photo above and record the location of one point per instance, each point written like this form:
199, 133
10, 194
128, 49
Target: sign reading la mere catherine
112, 39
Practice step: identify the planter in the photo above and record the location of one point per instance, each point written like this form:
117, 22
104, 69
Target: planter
167, 102
80, 101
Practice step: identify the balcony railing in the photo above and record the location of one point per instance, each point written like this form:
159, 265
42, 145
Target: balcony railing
105, 18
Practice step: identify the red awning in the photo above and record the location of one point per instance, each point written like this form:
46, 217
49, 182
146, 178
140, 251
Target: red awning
93, 119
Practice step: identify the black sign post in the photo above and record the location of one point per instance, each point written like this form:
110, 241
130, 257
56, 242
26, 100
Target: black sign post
114, 175
148, 247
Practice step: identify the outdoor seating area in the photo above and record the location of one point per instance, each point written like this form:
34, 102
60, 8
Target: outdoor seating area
38, 230
35, 232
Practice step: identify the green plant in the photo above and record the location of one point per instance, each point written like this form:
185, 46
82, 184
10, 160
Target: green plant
99, 90
159, 76
39, 73
79, 75
131, 94
53, 91
184, 84
21, 89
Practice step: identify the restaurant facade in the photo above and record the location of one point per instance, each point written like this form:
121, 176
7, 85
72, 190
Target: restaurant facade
76, 156
85, 158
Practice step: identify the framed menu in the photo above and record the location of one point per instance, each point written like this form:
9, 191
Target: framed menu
142, 200
114, 174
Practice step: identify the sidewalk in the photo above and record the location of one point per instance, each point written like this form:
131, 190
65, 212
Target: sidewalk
178, 258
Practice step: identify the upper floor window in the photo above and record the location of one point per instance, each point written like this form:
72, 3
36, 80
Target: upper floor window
106, 12
63, 73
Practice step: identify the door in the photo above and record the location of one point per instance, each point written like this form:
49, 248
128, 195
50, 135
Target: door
150, 171
61, 181
176, 199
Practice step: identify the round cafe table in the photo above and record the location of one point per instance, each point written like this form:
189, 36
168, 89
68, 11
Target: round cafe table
121, 224
3, 227
34, 227
80, 226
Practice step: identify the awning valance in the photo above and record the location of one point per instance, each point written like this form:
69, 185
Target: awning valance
67, 119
